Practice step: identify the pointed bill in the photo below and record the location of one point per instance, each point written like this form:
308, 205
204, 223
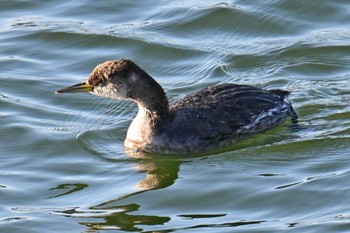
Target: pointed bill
80, 87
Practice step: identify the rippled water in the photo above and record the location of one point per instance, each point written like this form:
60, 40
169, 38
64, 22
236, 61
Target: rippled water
63, 168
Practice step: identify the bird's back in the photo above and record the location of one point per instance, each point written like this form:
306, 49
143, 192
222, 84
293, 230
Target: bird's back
223, 114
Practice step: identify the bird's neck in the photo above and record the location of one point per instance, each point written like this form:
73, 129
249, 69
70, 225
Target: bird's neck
154, 106
150, 96
142, 129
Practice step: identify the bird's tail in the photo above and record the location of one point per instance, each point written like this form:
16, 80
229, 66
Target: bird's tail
284, 96
293, 115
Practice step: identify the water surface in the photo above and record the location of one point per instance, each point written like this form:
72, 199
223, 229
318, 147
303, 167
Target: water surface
63, 168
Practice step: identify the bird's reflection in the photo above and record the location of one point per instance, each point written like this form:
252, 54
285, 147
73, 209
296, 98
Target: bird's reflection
123, 213
160, 173
123, 220
113, 214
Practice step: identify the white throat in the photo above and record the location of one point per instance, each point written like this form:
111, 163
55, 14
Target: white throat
138, 130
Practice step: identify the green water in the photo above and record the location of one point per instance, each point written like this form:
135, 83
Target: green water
62, 165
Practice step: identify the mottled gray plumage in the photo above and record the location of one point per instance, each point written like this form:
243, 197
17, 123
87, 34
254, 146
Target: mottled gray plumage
202, 121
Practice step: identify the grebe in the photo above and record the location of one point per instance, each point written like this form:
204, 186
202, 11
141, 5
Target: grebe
208, 119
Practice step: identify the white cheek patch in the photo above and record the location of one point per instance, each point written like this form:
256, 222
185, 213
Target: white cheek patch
108, 91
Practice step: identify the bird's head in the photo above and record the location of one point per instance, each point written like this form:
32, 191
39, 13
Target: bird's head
113, 79
123, 79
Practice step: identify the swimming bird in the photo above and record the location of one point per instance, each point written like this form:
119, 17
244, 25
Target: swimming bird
212, 118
